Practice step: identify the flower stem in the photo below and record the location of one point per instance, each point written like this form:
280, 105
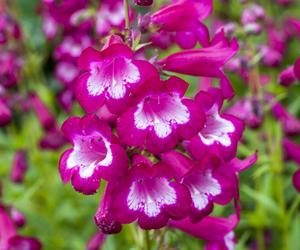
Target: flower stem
127, 22
147, 240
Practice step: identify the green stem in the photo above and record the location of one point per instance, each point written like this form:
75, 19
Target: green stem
147, 240
127, 22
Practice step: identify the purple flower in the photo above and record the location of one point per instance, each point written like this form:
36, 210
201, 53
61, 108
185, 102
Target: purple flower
5, 114
93, 156
181, 15
251, 14
110, 76
96, 242
291, 125
47, 120
110, 15
72, 45
161, 116
292, 152
249, 110
52, 140
150, 196
227, 243
9, 28
221, 132
17, 217
200, 180
205, 61
19, 167
144, 2
9, 239
287, 77
296, 180
211, 229
10, 68
184, 18
66, 72
104, 217
297, 69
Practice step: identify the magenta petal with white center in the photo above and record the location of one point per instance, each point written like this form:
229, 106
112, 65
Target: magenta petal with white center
110, 76
93, 156
161, 117
151, 198
221, 132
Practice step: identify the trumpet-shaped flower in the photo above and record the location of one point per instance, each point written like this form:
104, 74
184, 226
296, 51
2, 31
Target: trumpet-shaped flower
161, 116
93, 155
110, 76
221, 132
150, 196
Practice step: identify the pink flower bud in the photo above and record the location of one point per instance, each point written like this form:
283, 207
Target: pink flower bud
143, 2
17, 217
45, 117
5, 114
19, 167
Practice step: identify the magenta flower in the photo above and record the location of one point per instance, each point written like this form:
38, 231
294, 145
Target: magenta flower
61, 12
9, 239
66, 72
184, 18
211, 229
291, 125
252, 14
17, 217
221, 132
96, 242
296, 180
19, 167
287, 77
199, 179
110, 76
161, 116
9, 28
206, 62
110, 16
292, 152
93, 156
104, 217
297, 69
72, 45
249, 110
181, 15
47, 120
150, 196
144, 2
5, 114
227, 243
49, 26
10, 68
52, 140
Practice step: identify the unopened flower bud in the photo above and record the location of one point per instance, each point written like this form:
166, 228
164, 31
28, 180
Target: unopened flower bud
144, 2
19, 167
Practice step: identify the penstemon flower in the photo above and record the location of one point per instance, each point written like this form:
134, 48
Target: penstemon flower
160, 117
110, 76
93, 157
167, 159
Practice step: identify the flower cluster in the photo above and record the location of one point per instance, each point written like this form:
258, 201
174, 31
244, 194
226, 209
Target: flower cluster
11, 219
166, 158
